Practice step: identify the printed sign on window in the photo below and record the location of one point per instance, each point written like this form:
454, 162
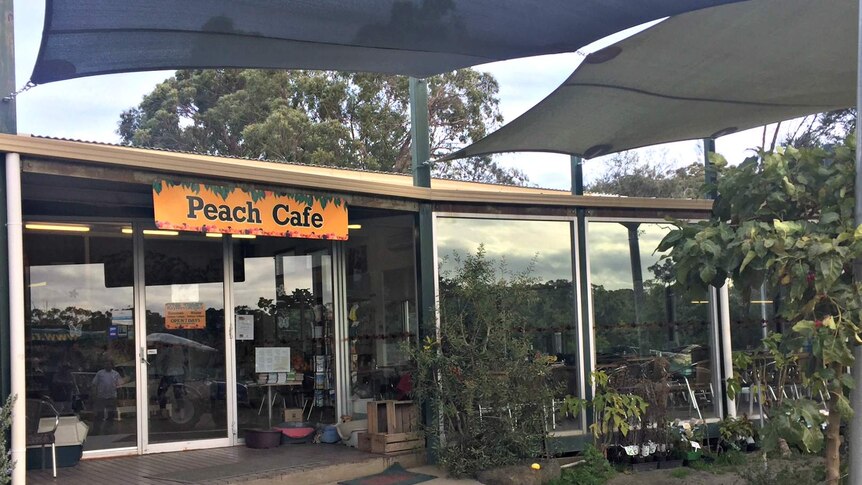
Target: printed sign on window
185, 316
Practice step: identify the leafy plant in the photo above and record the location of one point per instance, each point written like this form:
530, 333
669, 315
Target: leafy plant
785, 218
480, 375
6, 462
735, 431
613, 412
595, 470
799, 423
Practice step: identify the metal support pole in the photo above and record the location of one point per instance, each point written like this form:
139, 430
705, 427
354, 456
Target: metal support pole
855, 449
637, 276
16, 301
583, 286
721, 316
8, 124
421, 155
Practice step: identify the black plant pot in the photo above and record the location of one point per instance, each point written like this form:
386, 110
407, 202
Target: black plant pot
643, 467
671, 463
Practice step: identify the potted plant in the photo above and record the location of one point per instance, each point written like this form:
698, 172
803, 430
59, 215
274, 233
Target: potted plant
614, 413
691, 435
737, 434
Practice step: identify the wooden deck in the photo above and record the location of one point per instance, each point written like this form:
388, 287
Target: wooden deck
297, 464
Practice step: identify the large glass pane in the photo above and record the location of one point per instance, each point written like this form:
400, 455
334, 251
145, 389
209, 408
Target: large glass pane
544, 250
645, 328
184, 277
282, 295
80, 337
381, 302
752, 315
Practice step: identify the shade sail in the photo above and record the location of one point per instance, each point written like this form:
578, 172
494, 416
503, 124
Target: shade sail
414, 37
697, 75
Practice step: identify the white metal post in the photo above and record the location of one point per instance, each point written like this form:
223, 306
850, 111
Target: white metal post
16, 315
727, 348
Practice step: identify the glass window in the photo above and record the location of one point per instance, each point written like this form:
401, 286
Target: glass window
752, 314
283, 297
381, 307
543, 249
80, 334
645, 328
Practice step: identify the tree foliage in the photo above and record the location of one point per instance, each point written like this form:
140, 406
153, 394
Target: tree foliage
828, 128
481, 374
355, 120
786, 219
627, 173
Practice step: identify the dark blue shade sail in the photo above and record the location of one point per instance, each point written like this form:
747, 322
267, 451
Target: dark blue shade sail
411, 37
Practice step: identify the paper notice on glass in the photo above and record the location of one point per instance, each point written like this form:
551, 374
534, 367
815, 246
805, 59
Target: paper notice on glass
244, 327
185, 293
272, 359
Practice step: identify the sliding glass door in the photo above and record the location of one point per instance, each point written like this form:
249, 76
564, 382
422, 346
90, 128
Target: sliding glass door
184, 333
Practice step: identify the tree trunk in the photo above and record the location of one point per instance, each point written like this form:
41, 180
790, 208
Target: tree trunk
833, 443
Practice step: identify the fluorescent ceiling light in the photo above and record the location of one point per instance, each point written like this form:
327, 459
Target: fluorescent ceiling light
244, 236
214, 234
127, 230
36, 285
354, 226
157, 232
57, 227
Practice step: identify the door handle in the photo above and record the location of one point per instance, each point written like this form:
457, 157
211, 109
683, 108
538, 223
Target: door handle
144, 359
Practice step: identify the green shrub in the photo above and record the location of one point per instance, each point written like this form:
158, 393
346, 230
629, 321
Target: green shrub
595, 470
481, 376
6, 462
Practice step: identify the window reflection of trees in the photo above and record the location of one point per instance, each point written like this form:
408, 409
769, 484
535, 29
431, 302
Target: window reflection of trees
549, 316
642, 318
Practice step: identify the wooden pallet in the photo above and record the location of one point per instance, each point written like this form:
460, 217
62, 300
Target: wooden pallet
396, 442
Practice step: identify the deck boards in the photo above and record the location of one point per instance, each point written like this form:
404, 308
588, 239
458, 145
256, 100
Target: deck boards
215, 466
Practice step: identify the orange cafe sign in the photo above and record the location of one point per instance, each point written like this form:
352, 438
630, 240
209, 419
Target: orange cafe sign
235, 210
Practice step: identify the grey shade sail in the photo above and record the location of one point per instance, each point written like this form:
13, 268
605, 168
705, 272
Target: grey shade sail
413, 37
702, 74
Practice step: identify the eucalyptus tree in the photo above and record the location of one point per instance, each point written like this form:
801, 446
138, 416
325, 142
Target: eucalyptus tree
355, 120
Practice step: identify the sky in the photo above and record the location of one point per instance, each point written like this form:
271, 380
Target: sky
89, 108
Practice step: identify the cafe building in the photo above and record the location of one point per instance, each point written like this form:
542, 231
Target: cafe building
223, 291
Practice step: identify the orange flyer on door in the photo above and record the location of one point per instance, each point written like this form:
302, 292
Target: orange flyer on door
185, 316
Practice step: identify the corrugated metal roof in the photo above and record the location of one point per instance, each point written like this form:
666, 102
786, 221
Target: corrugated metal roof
283, 162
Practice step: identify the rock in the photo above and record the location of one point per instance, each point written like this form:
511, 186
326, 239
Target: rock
783, 448
521, 474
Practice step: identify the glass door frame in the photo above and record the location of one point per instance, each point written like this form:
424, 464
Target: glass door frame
339, 302
144, 446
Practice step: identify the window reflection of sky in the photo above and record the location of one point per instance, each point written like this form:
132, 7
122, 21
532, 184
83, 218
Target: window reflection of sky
260, 278
608, 245
75, 285
518, 241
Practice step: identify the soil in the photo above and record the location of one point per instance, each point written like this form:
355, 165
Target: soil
666, 477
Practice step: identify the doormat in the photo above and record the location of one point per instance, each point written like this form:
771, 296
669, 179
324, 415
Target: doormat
394, 475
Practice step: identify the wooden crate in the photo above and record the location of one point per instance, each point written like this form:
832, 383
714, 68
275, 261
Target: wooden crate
386, 417
363, 442
395, 442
